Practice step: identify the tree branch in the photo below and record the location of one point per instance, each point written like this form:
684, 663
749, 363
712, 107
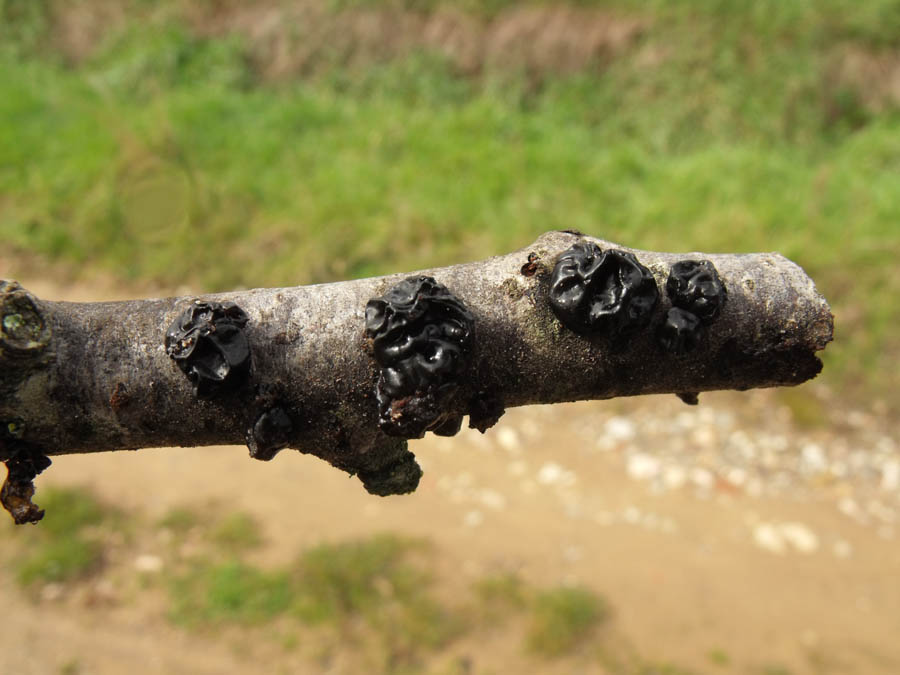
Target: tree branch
327, 376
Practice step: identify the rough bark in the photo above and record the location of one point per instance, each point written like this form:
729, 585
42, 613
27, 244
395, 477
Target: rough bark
88, 377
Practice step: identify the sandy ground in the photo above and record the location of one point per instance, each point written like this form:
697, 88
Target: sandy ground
720, 528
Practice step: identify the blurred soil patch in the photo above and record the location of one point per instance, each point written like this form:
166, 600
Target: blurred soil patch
864, 78
298, 38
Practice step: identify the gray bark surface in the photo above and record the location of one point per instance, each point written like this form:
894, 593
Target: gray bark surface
89, 377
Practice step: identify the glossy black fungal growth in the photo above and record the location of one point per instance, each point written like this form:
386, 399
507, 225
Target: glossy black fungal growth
269, 434
208, 343
421, 337
681, 332
695, 286
594, 292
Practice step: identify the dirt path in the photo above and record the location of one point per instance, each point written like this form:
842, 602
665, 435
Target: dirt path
715, 530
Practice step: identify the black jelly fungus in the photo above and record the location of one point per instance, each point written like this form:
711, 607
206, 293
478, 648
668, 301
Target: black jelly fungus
398, 477
694, 285
594, 292
485, 410
24, 464
421, 337
449, 427
208, 343
270, 433
689, 397
681, 332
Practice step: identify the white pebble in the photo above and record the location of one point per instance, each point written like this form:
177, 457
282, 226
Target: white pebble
768, 538
552, 473
674, 477
737, 476
842, 549
642, 466
631, 515
813, 458
883, 513
704, 436
890, 475
620, 429
509, 440
473, 518
493, 500
851, 509
52, 592
798, 535
572, 553
702, 478
604, 518
517, 468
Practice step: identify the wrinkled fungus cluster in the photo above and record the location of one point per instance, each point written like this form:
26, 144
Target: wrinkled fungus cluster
697, 294
421, 337
595, 292
207, 342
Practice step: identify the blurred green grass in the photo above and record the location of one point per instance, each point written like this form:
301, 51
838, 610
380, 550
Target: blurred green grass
162, 153
69, 545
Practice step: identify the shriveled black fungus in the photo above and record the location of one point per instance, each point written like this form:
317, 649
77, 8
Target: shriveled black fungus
594, 292
421, 337
681, 332
270, 433
485, 410
689, 397
24, 464
398, 477
449, 427
695, 286
209, 345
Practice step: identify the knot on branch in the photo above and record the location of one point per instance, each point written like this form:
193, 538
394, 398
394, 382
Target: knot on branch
421, 337
23, 331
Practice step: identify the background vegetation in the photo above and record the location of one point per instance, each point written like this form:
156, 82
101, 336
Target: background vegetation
217, 144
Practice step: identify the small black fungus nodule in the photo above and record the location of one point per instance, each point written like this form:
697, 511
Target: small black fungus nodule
594, 292
681, 332
695, 286
697, 295
421, 337
270, 433
208, 343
